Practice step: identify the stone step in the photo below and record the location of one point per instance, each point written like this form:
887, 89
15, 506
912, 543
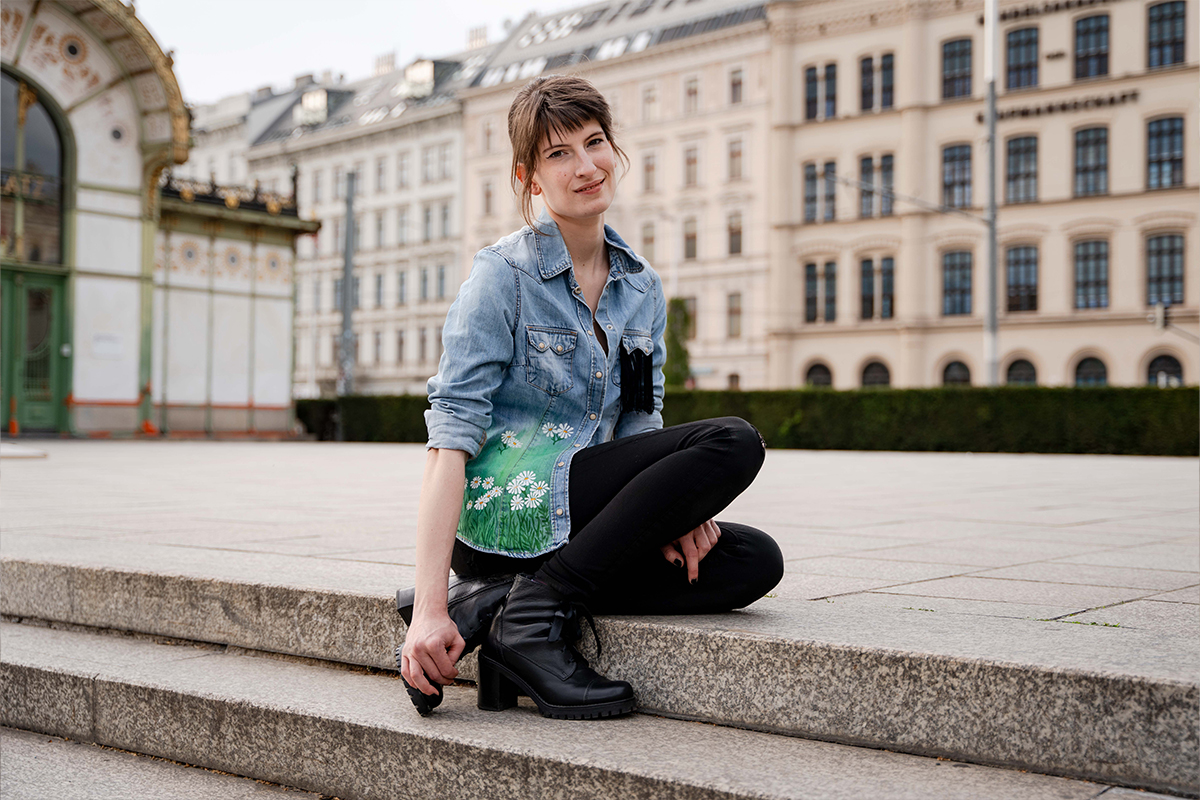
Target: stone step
1050, 698
352, 734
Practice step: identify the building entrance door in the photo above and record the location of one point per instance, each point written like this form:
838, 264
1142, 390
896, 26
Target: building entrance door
32, 367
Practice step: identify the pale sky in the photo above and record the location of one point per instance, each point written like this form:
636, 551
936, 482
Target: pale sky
223, 47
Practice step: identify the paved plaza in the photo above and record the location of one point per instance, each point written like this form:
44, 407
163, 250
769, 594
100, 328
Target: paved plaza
1110, 540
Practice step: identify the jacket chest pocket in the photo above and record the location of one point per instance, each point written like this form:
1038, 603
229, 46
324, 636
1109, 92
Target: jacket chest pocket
549, 353
632, 341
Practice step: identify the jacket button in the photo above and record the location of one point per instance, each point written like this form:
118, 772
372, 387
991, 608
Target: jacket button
591, 416
578, 290
609, 327
579, 445
541, 345
599, 374
558, 348
559, 512
560, 463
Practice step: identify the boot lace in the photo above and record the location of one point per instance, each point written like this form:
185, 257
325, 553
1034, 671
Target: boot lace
566, 618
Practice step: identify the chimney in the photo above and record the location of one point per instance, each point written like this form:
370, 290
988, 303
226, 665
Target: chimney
327, 77
262, 93
303, 80
385, 63
477, 37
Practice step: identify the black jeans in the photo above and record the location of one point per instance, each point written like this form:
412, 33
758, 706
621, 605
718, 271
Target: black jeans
633, 495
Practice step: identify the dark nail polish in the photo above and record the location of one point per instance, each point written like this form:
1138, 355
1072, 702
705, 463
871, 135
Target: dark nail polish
694, 581
678, 563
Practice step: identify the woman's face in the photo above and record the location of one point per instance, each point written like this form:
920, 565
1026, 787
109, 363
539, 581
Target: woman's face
575, 173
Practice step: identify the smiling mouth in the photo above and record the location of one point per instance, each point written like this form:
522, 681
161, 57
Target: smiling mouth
590, 186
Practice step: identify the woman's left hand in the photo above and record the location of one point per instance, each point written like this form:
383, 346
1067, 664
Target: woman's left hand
689, 549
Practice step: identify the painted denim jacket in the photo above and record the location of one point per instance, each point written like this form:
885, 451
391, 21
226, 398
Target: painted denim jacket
523, 385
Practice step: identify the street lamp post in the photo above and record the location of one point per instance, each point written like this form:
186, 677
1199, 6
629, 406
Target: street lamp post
346, 362
990, 344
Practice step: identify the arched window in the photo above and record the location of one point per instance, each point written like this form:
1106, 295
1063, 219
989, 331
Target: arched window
956, 373
31, 157
876, 374
1091, 372
1165, 371
1021, 373
818, 375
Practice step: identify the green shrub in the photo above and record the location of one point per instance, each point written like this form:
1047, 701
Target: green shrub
1118, 420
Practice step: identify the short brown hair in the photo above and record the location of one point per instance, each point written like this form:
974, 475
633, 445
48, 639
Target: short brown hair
552, 104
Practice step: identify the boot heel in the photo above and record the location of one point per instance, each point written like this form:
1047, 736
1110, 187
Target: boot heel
496, 691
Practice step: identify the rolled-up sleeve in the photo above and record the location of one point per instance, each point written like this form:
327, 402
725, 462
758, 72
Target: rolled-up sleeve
477, 341
632, 423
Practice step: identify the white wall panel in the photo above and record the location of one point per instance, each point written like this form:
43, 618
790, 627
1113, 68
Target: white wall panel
231, 265
231, 350
69, 77
106, 133
107, 339
187, 347
108, 244
272, 351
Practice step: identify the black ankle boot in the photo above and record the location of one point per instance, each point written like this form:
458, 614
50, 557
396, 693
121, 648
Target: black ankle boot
471, 603
528, 649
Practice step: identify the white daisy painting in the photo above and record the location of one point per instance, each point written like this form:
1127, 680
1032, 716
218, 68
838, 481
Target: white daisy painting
509, 439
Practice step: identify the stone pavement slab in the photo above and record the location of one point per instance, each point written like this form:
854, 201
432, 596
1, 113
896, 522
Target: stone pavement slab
37, 767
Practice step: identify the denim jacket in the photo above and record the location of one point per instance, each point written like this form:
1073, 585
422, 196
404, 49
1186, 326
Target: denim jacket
523, 385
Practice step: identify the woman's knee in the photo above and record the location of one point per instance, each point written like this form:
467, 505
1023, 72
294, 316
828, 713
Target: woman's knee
761, 562
747, 444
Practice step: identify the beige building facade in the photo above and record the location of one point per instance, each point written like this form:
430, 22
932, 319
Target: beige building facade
1096, 170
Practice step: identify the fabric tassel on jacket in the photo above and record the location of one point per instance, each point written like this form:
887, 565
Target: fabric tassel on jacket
637, 381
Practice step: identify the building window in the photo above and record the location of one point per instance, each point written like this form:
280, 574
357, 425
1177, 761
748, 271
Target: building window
810, 192
378, 337
956, 373
402, 171
734, 230
428, 165
445, 220
866, 69
811, 93
339, 183
1164, 371
379, 290
441, 283
424, 284
956, 283
810, 293
691, 165
689, 306
830, 91
1091, 274
818, 375
402, 287
316, 186
337, 293
733, 317
876, 375
487, 198
830, 173
402, 226
485, 138
691, 96
887, 80
427, 224
1164, 270
735, 160
32, 211
734, 382
830, 291
444, 162
648, 172
339, 237
886, 178
866, 193
358, 228
887, 281
1091, 162
649, 104
1091, 372
1022, 58
1091, 46
956, 176
735, 87
400, 347
1165, 153
316, 306
380, 174
379, 229
1021, 186
868, 289
956, 69
689, 238
1022, 268
1165, 39
1021, 373
423, 346
648, 241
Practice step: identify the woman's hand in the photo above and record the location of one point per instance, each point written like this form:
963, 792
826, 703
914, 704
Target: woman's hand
692, 547
431, 647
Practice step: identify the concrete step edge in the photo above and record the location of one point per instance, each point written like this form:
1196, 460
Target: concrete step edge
353, 735
1125, 729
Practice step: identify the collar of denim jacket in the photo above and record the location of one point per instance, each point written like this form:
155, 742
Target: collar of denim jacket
553, 258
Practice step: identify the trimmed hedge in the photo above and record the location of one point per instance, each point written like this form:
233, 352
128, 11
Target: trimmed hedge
1116, 420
